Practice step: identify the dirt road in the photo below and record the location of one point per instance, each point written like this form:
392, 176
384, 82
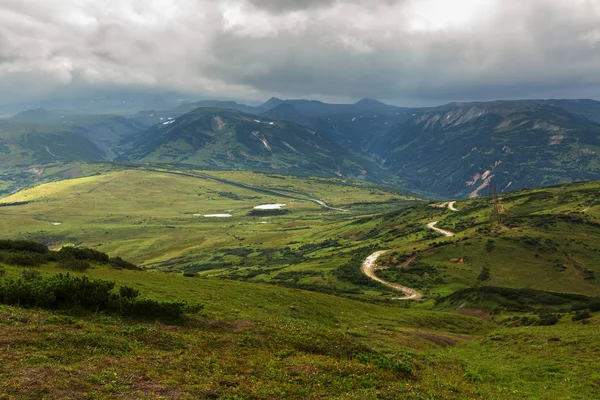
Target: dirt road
451, 206
369, 266
432, 226
590, 205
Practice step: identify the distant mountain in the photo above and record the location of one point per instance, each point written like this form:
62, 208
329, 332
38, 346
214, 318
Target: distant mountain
455, 150
37, 115
230, 139
587, 108
228, 105
34, 139
272, 103
355, 126
110, 102
287, 112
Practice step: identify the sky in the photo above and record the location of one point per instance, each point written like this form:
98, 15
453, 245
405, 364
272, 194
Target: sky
404, 52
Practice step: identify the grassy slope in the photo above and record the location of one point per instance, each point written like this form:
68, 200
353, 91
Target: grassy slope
213, 138
148, 217
523, 144
265, 341
257, 341
547, 242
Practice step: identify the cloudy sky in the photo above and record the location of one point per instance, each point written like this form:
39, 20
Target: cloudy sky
407, 52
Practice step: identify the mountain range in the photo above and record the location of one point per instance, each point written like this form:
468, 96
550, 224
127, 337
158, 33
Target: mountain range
455, 150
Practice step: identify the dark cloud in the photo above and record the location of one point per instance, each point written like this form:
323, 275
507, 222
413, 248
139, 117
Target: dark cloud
279, 6
409, 51
282, 6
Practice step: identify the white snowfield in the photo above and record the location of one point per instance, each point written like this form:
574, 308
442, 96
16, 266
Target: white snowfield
269, 206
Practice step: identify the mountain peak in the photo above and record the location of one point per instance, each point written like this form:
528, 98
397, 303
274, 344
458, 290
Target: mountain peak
272, 103
35, 114
370, 102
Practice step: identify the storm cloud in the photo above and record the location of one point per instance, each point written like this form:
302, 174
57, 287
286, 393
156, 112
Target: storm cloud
404, 51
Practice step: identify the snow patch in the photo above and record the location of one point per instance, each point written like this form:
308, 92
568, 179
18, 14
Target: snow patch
262, 139
168, 122
289, 146
57, 223
270, 206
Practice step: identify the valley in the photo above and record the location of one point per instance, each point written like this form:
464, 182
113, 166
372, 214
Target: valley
296, 241
300, 200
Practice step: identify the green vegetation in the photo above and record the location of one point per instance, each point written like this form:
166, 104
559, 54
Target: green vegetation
453, 149
255, 340
508, 313
154, 219
214, 138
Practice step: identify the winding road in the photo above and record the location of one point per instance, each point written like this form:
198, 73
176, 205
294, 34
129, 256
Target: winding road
432, 226
246, 186
369, 266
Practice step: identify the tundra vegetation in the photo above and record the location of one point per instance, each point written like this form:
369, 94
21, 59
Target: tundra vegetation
131, 296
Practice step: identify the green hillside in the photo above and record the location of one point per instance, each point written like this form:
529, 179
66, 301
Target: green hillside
454, 150
155, 217
280, 305
264, 341
229, 139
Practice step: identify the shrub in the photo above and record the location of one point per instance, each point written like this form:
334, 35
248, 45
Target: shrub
69, 292
548, 319
147, 308
119, 263
128, 292
30, 274
74, 264
83, 253
581, 315
23, 259
23, 245
190, 274
484, 275
2, 271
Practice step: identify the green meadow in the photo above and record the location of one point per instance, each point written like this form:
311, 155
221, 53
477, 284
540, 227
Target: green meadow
510, 311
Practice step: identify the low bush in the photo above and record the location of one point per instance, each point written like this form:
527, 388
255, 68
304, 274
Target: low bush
581, 315
23, 245
30, 274
119, 263
128, 292
74, 264
594, 305
24, 259
82, 253
69, 292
